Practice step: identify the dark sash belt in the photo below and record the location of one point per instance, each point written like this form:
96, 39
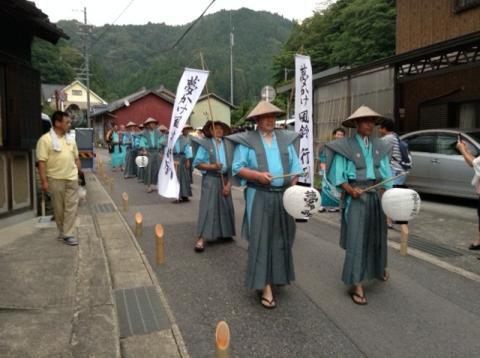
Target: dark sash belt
362, 184
215, 174
269, 188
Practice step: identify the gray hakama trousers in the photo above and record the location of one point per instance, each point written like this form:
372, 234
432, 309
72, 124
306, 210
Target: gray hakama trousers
183, 175
191, 173
216, 216
270, 233
130, 165
154, 162
364, 238
141, 174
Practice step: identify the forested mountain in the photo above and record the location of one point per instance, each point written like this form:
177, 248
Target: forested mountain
128, 57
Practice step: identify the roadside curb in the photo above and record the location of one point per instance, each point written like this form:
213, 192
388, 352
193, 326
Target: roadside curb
181, 346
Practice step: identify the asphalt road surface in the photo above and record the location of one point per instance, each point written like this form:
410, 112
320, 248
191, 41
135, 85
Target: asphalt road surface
422, 311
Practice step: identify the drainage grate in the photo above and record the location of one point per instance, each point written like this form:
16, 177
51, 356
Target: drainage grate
140, 311
431, 248
103, 208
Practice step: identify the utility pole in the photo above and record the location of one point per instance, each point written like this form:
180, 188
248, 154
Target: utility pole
231, 58
87, 65
83, 73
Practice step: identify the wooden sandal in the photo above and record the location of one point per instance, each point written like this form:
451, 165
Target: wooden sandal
354, 295
271, 304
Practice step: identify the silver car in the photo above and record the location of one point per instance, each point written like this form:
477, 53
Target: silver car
438, 168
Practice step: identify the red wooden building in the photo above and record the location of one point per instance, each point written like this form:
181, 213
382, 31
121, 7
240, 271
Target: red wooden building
136, 107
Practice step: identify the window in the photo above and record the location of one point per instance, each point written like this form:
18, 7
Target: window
421, 143
462, 5
447, 144
77, 92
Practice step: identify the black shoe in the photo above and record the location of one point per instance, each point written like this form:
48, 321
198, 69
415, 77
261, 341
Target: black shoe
70, 240
474, 247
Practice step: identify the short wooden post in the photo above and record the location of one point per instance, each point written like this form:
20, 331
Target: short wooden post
125, 201
101, 171
138, 224
160, 244
111, 182
404, 232
222, 340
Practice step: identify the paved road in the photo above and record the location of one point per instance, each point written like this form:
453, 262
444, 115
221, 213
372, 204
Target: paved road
422, 311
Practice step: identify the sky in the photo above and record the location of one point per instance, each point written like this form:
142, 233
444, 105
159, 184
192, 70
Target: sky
176, 12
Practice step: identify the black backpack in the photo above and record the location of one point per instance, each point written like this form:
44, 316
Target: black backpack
406, 158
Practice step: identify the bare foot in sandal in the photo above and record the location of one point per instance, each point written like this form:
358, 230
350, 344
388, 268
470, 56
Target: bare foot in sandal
267, 300
200, 245
358, 296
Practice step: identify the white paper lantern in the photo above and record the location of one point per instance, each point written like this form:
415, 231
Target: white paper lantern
141, 161
401, 204
301, 202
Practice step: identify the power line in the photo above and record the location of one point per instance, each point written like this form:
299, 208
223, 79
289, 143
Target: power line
114, 21
191, 26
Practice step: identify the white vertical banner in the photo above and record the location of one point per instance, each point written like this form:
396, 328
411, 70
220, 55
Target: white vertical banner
304, 115
189, 89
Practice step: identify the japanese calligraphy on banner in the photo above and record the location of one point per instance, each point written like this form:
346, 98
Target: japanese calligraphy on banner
304, 114
189, 89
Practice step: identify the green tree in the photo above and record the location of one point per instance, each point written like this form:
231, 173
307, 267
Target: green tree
55, 63
346, 33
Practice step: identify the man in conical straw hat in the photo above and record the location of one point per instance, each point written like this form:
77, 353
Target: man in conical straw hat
213, 157
261, 158
129, 139
154, 142
182, 154
354, 164
117, 157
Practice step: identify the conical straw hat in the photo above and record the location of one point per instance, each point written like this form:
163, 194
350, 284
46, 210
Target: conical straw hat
207, 128
262, 108
150, 120
131, 124
161, 127
362, 112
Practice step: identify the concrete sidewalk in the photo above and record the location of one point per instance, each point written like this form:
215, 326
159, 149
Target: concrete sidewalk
62, 301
